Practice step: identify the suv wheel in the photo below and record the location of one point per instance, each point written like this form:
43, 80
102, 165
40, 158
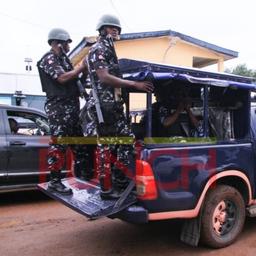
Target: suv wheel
223, 216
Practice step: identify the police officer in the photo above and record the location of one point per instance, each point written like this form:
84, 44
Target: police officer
59, 81
104, 69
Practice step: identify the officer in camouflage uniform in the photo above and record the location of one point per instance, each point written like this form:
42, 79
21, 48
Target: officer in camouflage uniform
59, 81
104, 69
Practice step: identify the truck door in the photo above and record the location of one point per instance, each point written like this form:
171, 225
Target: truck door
3, 150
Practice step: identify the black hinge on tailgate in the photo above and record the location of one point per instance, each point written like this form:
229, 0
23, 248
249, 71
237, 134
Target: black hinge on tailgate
87, 201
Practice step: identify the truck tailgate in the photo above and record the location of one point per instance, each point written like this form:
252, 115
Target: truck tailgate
86, 199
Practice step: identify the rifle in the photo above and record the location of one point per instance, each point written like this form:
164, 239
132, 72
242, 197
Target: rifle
81, 87
96, 98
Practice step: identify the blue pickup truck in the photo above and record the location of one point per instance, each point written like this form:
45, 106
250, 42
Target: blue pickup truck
208, 180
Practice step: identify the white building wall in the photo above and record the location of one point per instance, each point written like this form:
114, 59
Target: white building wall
29, 84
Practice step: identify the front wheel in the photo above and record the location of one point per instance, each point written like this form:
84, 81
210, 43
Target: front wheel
223, 216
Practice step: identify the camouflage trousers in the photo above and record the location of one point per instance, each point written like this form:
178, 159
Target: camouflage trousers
115, 141
114, 161
63, 117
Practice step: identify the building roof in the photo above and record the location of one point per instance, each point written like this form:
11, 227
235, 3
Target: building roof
189, 39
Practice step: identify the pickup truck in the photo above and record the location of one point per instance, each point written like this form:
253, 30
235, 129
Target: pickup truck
208, 181
23, 150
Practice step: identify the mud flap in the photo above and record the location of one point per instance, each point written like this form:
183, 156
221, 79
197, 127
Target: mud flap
87, 201
190, 233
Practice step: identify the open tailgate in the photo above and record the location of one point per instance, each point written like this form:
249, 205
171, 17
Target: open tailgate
86, 198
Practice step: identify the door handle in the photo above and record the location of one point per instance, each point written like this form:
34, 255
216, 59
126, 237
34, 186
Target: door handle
17, 143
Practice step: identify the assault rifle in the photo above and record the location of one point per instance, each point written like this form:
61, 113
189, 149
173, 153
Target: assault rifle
96, 98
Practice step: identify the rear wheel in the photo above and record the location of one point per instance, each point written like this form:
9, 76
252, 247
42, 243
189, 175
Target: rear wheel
223, 216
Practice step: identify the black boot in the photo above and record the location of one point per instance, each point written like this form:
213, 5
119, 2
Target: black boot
120, 180
55, 184
107, 193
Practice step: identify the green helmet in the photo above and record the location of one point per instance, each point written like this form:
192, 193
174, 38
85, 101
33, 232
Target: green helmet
108, 20
58, 34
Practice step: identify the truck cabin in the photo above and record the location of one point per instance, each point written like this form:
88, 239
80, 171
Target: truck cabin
219, 102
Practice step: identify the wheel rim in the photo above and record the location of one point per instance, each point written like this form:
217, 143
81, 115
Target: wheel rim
224, 217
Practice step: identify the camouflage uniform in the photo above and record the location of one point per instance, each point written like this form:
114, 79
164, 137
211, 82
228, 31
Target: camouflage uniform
102, 56
62, 108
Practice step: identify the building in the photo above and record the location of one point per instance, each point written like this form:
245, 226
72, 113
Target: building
167, 46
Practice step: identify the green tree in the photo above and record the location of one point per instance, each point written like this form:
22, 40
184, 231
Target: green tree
242, 70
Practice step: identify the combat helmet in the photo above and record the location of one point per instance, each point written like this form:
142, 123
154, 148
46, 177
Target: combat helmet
109, 20
59, 34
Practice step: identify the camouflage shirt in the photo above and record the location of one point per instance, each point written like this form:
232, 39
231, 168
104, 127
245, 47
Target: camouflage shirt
51, 66
102, 56
55, 65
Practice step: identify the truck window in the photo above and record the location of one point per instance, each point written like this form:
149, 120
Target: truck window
227, 109
229, 113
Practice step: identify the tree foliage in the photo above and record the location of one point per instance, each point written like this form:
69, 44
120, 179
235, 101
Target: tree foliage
242, 70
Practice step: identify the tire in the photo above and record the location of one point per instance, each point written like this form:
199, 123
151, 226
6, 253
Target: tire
223, 216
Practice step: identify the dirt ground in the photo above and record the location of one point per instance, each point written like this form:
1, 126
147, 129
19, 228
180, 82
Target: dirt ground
32, 224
